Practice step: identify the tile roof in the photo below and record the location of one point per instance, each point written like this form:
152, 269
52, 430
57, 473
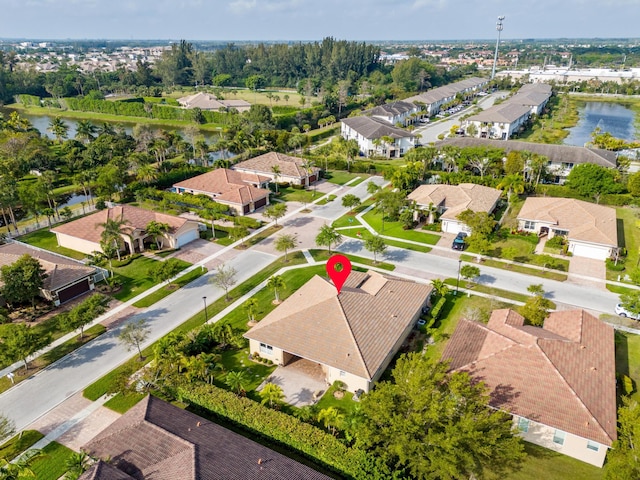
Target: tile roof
440, 93
555, 153
289, 166
503, 113
393, 109
584, 221
202, 100
61, 271
88, 228
561, 375
158, 441
103, 471
353, 331
228, 185
457, 198
530, 98
373, 128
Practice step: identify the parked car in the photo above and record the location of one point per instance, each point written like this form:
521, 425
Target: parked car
620, 310
459, 242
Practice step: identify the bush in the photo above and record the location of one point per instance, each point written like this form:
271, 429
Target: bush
286, 430
627, 385
555, 242
437, 308
611, 265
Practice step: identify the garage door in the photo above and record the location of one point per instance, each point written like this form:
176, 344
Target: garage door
261, 203
452, 227
589, 251
187, 237
73, 291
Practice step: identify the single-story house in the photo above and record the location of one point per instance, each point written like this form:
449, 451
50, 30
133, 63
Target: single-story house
242, 192
292, 170
353, 336
500, 121
84, 235
159, 441
590, 229
66, 278
451, 200
558, 381
208, 101
396, 113
561, 158
368, 132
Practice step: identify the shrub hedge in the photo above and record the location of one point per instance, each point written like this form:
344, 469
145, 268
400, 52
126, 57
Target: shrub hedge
437, 308
286, 430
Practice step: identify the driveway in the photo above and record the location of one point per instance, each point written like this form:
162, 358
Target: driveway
581, 267
299, 381
303, 226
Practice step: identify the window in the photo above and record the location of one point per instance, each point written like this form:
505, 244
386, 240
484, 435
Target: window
342, 374
558, 437
523, 424
529, 225
593, 446
266, 349
561, 233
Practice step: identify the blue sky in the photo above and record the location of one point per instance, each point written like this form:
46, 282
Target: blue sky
315, 19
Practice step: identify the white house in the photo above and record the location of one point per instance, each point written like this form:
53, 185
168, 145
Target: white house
451, 200
500, 121
395, 113
369, 133
590, 229
558, 381
335, 331
432, 100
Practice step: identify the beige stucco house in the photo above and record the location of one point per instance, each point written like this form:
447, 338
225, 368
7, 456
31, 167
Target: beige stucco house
452, 200
241, 192
558, 382
293, 170
84, 234
353, 336
590, 229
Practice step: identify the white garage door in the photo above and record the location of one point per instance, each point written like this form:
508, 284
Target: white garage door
589, 251
452, 227
187, 237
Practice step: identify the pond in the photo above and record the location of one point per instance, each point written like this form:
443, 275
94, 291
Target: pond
614, 118
42, 122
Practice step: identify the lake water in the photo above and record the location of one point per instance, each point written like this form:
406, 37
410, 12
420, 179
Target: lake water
42, 122
616, 119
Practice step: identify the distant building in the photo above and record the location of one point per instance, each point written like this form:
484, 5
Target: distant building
208, 101
292, 170
369, 133
432, 100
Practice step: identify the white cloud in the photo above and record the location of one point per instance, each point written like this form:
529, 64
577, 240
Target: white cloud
246, 6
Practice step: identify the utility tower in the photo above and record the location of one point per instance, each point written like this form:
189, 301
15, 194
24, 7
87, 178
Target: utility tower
499, 27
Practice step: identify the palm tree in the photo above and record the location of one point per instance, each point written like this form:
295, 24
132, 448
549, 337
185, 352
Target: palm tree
85, 130
236, 380
214, 215
513, 183
271, 393
284, 243
157, 230
76, 465
112, 233
328, 236
330, 417
147, 174
250, 307
20, 468
275, 169
59, 128
440, 287
211, 361
277, 283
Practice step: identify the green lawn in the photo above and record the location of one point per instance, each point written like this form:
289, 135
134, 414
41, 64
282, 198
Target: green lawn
628, 358
340, 177
394, 229
353, 233
345, 405
169, 289
52, 465
322, 255
18, 444
348, 220
136, 277
47, 240
544, 464
550, 274
628, 237
122, 403
290, 194
326, 200
238, 360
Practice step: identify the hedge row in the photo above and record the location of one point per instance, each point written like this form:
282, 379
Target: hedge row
437, 308
286, 430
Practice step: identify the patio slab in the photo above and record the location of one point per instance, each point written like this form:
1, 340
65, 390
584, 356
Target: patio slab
299, 381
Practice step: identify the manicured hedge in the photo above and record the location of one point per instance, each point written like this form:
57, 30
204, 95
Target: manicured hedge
286, 430
437, 308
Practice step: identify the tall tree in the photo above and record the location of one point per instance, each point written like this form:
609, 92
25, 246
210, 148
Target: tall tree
275, 211
112, 233
277, 283
432, 424
59, 128
134, 334
536, 308
284, 243
271, 394
328, 236
376, 245
21, 341
22, 280
225, 278
84, 313
157, 230
623, 460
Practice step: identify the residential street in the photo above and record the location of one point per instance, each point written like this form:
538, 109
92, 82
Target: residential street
32, 398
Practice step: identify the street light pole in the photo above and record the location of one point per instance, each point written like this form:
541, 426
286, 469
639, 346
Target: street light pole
458, 280
499, 28
206, 317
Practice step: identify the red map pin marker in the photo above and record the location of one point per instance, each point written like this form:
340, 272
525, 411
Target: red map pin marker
338, 277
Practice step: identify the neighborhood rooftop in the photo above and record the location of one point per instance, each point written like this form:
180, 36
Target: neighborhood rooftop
353, 331
375, 128
503, 113
289, 166
555, 153
228, 185
561, 375
456, 198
